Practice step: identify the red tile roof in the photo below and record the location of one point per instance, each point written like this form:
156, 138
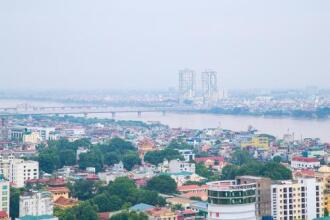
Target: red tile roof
191, 187
203, 159
58, 189
306, 172
103, 215
305, 159
65, 202
3, 214
92, 177
188, 212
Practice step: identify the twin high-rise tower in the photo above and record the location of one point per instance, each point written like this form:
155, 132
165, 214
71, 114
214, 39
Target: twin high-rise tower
187, 84
210, 88
188, 88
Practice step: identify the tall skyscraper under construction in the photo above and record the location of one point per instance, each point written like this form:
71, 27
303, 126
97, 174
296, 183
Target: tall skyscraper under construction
187, 84
210, 88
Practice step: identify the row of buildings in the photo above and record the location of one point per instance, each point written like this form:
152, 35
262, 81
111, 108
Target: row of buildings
306, 196
245, 198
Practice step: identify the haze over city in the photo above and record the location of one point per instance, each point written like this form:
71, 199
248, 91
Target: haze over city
165, 110
143, 44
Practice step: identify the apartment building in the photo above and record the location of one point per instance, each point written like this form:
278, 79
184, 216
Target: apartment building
304, 163
22, 170
177, 166
297, 199
36, 203
4, 195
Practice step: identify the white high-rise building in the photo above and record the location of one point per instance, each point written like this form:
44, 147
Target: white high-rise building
187, 84
297, 199
18, 171
36, 204
230, 200
4, 195
210, 87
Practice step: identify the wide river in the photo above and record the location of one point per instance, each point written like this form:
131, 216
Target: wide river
276, 126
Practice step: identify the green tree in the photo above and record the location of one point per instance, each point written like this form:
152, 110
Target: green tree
203, 171
49, 160
273, 170
179, 144
150, 197
240, 157
68, 157
85, 211
103, 202
83, 142
59, 153
130, 160
129, 216
163, 184
65, 214
177, 207
14, 202
115, 203
229, 172
91, 159
277, 159
157, 157
122, 187
276, 171
84, 189
154, 157
121, 145
123, 191
111, 158
252, 168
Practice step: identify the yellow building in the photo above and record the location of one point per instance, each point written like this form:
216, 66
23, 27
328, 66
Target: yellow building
32, 138
258, 141
58, 192
327, 202
323, 176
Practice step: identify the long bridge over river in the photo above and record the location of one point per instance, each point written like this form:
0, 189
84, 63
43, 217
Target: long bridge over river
82, 110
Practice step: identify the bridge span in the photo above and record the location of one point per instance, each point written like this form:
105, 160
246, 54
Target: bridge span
81, 110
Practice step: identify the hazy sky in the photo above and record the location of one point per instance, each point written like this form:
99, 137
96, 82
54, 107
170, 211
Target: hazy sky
143, 43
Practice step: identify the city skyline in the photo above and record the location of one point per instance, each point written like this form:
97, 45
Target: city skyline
164, 110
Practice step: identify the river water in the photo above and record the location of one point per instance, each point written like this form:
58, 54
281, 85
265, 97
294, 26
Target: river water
276, 126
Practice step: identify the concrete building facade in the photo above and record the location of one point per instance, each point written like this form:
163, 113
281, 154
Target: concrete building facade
36, 204
4, 195
297, 199
230, 200
23, 170
263, 196
177, 166
187, 84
